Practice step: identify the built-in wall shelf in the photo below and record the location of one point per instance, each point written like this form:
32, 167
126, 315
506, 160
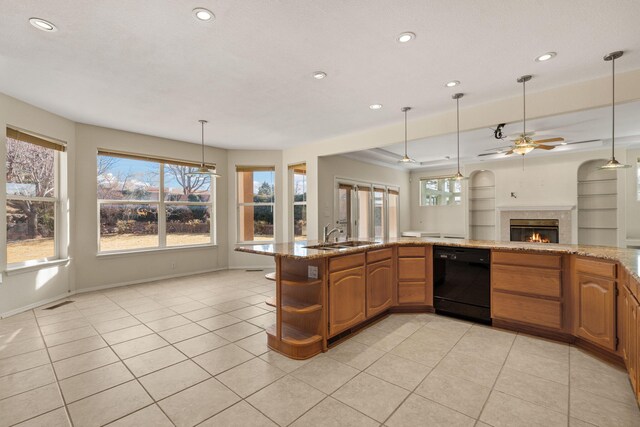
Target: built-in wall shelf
597, 205
482, 206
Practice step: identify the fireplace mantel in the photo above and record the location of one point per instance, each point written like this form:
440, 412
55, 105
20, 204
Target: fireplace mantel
536, 208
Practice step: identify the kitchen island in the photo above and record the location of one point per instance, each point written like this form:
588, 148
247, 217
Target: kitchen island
585, 295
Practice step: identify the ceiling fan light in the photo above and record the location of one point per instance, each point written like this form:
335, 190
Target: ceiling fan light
614, 164
523, 149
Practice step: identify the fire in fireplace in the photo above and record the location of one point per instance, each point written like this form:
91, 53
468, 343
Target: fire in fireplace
534, 230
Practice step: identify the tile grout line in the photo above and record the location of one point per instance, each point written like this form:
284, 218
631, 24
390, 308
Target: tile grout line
496, 380
427, 376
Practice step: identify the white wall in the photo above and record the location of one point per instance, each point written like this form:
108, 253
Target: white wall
95, 271
26, 288
253, 158
544, 181
633, 204
332, 167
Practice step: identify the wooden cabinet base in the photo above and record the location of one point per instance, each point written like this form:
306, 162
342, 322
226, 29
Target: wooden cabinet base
294, 346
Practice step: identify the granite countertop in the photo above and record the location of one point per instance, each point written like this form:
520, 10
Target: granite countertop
629, 258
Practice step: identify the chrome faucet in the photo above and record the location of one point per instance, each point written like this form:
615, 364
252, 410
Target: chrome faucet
326, 233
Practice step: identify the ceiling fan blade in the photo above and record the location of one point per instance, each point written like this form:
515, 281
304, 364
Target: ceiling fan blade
583, 142
544, 147
508, 153
491, 154
542, 141
499, 148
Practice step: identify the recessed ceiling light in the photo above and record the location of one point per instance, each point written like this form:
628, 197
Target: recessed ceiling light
319, 75
563, 143
203, 14
375, 106
43, 25
452, 83
406, 37
545, 57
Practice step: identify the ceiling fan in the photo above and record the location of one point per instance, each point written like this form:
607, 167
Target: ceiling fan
507, 150
524, 142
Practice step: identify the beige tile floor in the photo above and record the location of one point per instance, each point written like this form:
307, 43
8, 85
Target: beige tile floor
192, 351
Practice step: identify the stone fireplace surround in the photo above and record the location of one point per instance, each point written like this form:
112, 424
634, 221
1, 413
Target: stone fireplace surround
562, 213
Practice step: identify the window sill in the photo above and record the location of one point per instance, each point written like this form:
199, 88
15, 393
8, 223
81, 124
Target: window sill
34, 267
115, 254
256, 242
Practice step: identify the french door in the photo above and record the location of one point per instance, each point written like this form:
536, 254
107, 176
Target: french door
367, 211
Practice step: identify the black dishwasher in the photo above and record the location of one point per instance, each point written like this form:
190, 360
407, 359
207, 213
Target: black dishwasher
462, 282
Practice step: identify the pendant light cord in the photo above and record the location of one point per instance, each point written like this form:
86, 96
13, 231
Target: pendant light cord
405, 133
458, 129
524, 111
613, 108
202, 123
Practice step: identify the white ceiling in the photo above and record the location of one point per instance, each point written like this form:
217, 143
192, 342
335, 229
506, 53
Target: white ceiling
148, 66
431, 153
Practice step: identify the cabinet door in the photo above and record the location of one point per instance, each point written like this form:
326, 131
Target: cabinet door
634, 342
623, 327
597, 311
379, 287
346, 299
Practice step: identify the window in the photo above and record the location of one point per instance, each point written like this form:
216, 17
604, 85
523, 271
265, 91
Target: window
638, 178
256, 203
298, 182
379, 215
394, 201
440, 191
32, 198
148, 203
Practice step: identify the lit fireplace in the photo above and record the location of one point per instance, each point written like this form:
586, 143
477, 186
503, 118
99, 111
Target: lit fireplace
534, 230
538, 238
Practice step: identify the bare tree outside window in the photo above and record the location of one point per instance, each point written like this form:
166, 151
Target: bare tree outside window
31, 201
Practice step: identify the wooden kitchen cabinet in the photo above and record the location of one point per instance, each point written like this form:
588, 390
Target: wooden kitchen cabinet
596, 310
633, 341
379, 287
527, 288
415, 286
347, 299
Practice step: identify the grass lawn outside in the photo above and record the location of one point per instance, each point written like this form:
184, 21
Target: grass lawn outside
26, 250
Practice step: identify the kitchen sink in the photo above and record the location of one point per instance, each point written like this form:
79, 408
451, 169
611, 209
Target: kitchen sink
339, 245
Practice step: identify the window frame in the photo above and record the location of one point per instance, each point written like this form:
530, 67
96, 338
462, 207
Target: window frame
160, 205
440, 192
292, 194
60, 147
240, 205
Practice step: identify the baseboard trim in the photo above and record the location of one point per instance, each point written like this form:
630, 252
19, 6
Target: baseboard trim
35, 305
103, 287
253, 267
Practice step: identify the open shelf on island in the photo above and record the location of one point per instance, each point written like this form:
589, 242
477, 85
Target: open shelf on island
295, 337
298, 307
300, 281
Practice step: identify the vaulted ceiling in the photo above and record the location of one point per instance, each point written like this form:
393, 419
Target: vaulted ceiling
149, 66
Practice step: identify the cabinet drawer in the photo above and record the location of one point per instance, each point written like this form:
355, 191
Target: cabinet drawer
529, 280
346, 261
412, 293
411, 251
526, 259
379, 255
412, 268
596, 267
523, 309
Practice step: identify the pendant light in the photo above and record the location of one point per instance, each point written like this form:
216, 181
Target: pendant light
203, 169
523, 146
405, 158
613, 164
458, 176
